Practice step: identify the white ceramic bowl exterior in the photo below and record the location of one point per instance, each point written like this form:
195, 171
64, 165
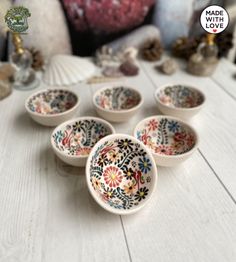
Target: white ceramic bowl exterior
73, 140
179, 100
118, 103
170, 140
121, 174
52, 107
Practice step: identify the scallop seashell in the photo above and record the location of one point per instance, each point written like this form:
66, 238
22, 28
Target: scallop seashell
67, 70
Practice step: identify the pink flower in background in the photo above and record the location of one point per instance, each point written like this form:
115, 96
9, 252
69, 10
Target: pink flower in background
107, 15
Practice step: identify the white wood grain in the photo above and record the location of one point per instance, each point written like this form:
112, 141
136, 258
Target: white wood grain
225, 76
216, 123
47, 214
190, 219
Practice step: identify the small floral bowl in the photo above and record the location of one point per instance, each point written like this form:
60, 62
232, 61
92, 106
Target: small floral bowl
118, 103
170, 140
51, 107
121, 174
181, 101
73, 140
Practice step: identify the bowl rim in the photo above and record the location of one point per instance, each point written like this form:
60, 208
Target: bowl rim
93, 193
52, 115
62, 153
162, 87
180, 121
123, 111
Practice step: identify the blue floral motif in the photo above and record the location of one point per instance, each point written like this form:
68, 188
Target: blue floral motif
173, 126
58, 136
139, 135
125, 182
98, 128
144, 165
52, 102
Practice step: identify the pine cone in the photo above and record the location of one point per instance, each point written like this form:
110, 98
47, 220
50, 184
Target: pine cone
184, 47
152, 50
224, 41
38, 60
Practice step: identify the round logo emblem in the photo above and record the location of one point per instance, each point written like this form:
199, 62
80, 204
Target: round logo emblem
214, 19
16, 19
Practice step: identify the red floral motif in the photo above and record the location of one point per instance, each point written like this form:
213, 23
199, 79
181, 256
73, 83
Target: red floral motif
84, 151
113, 176
164, 150
138, 178
145, 137
66, 140
152, 125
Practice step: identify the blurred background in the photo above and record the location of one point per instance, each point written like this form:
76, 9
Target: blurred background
81, 26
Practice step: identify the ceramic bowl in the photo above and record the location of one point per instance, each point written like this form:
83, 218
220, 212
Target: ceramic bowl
118, 103
73, 140
181, 101
170, 140
51, 107
121, 174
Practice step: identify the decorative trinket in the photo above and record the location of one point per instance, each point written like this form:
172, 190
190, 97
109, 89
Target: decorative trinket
5, 89
129, 69
168, 67
105, 57
151, 50
24, 77
112, 71
6, 71
128, 54
204, 62
38, 60
101, 79
6, 74
184, 47
67, 70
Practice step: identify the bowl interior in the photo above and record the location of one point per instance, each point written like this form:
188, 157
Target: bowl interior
78, 138
122, 175
180, 96
165, 136
52, 102
117, 98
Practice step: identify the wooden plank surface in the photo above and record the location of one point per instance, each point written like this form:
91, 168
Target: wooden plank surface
225, 77
216, 123
46, 211
48, 215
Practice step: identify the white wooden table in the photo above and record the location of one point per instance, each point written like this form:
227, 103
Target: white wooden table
48, 215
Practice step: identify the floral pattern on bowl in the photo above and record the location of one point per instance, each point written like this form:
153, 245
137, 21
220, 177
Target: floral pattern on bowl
118, 98
120, 173
165, 136
52, 101
180, 96
78, 137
